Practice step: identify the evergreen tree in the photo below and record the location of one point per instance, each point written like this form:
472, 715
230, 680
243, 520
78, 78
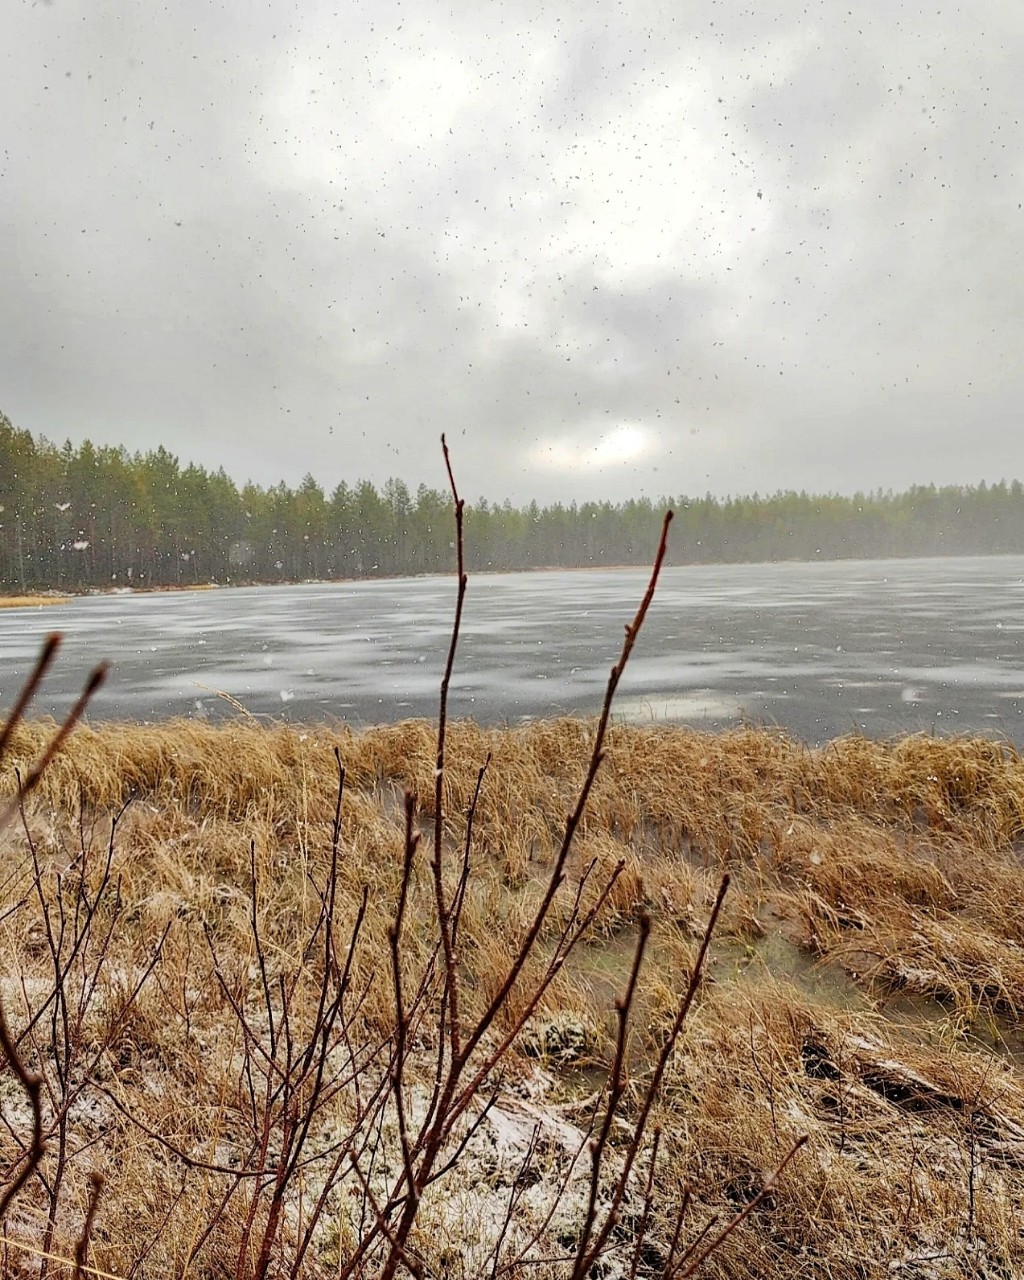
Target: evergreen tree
90, 517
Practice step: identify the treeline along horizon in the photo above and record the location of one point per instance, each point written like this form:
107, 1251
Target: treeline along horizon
72, 519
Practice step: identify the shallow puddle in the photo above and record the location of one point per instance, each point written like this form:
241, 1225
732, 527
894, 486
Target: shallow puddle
774, 956
603, 965
931, 1020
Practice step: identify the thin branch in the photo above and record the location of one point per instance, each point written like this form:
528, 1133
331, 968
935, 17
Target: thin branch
677, 1025
382, 1214
677, 1229
32, 1084
435, 1130
575, 817
645, 1219
82, 1247
587, 1254
261, 951
451, 990
573, 932
745, 1212
459, 898
401, 1015
94, 681
28, 690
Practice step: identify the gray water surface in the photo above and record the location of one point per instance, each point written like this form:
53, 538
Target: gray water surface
877, 647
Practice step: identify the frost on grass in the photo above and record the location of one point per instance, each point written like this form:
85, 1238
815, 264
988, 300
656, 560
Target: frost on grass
517, 1196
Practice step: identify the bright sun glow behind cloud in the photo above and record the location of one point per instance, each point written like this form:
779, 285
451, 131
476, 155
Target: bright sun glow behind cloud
598, 449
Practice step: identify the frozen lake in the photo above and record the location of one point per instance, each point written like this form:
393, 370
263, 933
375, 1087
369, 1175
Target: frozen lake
879, 647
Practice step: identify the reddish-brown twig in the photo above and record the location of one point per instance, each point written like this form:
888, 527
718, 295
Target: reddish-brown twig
32, 1084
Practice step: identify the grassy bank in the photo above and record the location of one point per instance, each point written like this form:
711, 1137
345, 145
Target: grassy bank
164, 968
32, 601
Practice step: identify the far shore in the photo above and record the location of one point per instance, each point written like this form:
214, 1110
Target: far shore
31, 601
67, 594
65, 597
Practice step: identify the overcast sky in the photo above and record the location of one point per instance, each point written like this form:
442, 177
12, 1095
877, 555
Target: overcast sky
611, 249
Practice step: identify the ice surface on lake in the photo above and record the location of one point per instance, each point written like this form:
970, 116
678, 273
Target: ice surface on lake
819, 649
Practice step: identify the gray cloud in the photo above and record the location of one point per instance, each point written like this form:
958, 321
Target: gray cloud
666, 249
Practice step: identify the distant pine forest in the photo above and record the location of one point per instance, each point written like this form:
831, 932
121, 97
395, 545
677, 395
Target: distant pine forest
85, 518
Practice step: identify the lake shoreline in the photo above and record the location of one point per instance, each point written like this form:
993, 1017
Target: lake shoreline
641, 566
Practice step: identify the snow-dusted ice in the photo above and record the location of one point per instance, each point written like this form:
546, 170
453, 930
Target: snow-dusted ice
819, 649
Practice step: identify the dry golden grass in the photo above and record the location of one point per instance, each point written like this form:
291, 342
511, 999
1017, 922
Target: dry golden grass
27, 602
896, 865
